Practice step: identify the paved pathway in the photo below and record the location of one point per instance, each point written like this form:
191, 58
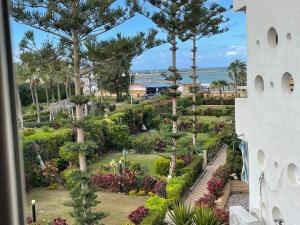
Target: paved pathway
200, 189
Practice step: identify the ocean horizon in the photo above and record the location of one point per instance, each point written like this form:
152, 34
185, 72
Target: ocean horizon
205, 76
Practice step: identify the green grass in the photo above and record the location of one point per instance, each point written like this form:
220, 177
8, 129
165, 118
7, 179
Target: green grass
214, 106
206, 119
147, 160
49, 205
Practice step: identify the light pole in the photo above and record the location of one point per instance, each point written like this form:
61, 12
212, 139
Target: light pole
130, 80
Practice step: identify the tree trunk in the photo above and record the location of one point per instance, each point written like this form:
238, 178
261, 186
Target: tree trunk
37, 104
174, 109
47, 95
66, 87
32, 92
20, 109
194, 50
52, 90
76, 58
58, 92
235, 87
69, 88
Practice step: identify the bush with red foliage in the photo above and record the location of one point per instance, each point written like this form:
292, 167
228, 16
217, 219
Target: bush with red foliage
187, 159
59, 221
148, 183
215, 186
223, 172
137, 215
223, 216
116, 182
107, 181
129, 181
208, 200
160, 189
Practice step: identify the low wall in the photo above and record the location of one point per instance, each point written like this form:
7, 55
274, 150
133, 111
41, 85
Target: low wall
232, 187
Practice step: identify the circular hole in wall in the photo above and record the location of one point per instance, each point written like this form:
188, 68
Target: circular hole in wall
289, 36
257, 43
272, 84
293, 174
259, 84
276, 165
272, 37
287, 83
261, 159
276, 214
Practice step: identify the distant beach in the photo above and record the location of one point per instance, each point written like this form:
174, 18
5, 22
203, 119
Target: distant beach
205, 76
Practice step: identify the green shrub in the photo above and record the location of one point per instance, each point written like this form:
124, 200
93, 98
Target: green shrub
28, 131
212, 146
47, 142
194, 168
156, 203
179, 166
175, 188
162, 166
235, 161
153, 218
143, 143
68, 177
119, 135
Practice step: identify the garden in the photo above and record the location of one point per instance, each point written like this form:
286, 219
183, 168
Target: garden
128, 152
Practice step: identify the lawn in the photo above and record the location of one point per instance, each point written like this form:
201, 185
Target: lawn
147, 160
214, 106
49, 205
206, 119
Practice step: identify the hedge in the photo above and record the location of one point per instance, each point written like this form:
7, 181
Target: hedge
212, 146
162, 166
49, 142
177, 185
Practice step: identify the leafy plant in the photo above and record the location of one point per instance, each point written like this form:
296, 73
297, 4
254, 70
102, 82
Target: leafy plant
84, 199
156, 203
205, 216
59, 221
162, 166
160, 189
138, 214
182, 215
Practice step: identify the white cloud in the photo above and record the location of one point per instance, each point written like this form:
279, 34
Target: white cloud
231, 53
235, 50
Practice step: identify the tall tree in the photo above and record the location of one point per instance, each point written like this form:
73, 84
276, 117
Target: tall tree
84, 200
117, 54
219, 85
169, 16
201, 20
237, 71
73, 21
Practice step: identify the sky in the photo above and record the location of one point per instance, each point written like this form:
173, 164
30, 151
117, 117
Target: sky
215, 51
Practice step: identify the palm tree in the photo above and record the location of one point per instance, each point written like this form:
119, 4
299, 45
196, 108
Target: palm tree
219, 84
237, 71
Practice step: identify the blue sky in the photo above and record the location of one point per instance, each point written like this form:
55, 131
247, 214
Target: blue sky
216, 51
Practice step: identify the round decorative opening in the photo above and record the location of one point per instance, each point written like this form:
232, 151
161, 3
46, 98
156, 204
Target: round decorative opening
287, 83
272, 37
261, 159
289, 36
259, 84
293, 174
276, 165
276, 214
257, 43
272, 84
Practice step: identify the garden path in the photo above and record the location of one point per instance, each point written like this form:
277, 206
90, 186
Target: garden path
200, 189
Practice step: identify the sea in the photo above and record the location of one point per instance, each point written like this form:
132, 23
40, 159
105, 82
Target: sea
205, 76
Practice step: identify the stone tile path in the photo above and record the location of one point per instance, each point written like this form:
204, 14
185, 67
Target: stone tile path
200, 189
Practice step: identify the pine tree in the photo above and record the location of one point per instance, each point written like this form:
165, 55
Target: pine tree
73, 22
201, 20
117, 55
84, 199
169, 16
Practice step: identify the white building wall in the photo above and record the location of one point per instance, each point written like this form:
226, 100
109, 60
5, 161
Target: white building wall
270, 118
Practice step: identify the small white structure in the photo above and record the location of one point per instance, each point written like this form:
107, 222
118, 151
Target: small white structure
269, 118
